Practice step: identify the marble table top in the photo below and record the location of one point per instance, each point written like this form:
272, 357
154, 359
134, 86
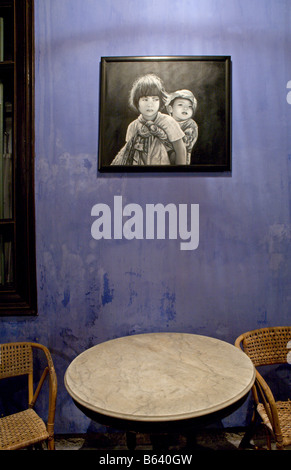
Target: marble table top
159, 377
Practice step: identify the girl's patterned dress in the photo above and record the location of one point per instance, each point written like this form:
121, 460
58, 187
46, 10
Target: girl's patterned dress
148, 142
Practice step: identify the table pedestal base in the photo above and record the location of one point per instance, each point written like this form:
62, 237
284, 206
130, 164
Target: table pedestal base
158, 429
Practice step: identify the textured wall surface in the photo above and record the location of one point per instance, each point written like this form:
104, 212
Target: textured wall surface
238, 278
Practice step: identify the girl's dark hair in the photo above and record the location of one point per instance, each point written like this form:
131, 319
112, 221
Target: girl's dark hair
147, 85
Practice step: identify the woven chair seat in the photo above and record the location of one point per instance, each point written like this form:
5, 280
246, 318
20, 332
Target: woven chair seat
27, 428
268, 347
21, 430
284, 413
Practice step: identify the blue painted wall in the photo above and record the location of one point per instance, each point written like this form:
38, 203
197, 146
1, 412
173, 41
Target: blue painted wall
238, 279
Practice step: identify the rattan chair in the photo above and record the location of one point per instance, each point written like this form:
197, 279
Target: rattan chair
267, 346
26, 428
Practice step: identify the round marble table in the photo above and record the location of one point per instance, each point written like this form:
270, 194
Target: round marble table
159, 378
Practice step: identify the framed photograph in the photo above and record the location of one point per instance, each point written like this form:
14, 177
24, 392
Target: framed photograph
166, 114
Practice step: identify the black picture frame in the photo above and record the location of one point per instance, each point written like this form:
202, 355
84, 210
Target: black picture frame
207, 77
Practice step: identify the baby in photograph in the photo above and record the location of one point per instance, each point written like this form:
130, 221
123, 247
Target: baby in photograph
154, 138
181, 105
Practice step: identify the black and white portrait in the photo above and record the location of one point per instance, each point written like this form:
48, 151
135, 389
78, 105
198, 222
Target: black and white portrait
165, 114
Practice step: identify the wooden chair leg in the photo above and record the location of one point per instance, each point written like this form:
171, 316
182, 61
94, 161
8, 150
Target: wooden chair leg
51, 444
268, 438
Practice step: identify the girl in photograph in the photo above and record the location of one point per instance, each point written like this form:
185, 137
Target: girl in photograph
153, 134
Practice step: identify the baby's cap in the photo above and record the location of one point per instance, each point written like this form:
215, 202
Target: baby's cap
184, 94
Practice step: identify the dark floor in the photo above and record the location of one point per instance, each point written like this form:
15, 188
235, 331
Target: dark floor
204, 440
